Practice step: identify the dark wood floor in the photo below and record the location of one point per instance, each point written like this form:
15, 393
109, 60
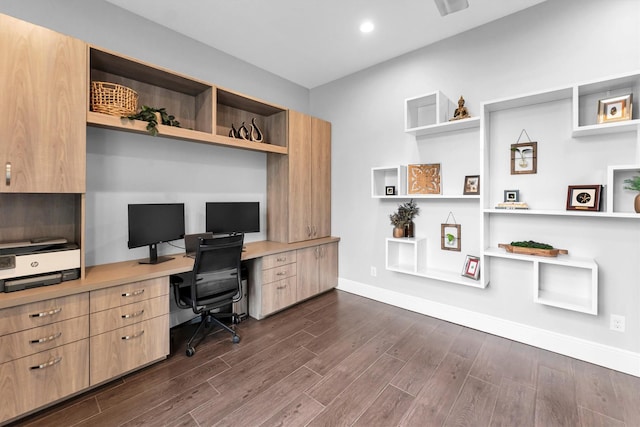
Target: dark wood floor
343, 360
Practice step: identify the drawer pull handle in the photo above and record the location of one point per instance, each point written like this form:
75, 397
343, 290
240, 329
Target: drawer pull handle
130, 337
7, 173
51, 362
281, 273
47, 313
45, 339
281, 287
281, 259
134, 293
136, 314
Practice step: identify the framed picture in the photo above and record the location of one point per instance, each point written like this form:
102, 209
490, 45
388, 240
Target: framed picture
471, 267
615, 109
584, 197
450, 237
524, 158
511, 195
471, 184
390, 190
424, 179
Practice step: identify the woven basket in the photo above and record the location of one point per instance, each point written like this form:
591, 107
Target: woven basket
114, 99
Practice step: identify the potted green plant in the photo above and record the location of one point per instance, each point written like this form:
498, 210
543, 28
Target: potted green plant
153, 117
634, 184
402, 219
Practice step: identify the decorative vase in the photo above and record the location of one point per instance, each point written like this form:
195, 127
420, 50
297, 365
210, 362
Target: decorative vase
233, 133
255, 134
158, 117
398, 232
409, 229
636, 203
243, 132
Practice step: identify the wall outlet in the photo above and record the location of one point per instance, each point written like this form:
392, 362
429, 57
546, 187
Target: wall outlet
617, 323
374, 271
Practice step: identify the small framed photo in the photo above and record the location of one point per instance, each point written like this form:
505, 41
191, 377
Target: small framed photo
615, 109
511, 195
524, 158
584, 197
390, 190
450, 237
471, 185
471, 267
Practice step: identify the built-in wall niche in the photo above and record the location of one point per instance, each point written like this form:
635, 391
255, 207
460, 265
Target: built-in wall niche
189, 100
27, 216
429, 114
236, 109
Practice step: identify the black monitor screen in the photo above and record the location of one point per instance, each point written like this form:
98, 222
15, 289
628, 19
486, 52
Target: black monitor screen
150, 224
232, 217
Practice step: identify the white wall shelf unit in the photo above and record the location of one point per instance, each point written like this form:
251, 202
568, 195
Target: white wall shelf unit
382, 177
580, 293
429, 114
562, 116
409, 256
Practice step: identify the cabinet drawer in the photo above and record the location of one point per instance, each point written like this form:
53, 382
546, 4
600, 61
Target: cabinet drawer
129, 293
125, 315
276, 260
116, 352
31, 341
278, 273
30, 382
278, 295
41, 313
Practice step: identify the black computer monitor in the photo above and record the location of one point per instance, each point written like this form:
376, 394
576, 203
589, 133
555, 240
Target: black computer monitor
153, 223
232, 217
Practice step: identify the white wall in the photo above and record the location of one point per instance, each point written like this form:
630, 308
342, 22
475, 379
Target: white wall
125, 168
556, 43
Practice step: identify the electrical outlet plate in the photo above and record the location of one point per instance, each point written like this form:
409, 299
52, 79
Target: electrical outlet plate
374, 271
617, 323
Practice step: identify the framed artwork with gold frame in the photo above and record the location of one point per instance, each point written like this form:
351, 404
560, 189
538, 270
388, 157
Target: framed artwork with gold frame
615, 109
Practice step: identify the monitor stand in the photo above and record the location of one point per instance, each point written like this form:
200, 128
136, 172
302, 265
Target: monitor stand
153, 256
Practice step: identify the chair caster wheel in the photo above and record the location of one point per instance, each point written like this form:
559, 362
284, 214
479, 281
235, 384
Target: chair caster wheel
191, 351
235, 339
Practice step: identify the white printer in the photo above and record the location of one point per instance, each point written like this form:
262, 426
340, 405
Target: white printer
37, 262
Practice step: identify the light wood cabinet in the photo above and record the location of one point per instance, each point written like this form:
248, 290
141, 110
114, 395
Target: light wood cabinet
129, 327
317, 270
44, 353
43, 120
299, 185
282, 280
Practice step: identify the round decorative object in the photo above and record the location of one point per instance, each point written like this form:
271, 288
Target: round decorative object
398, 232
637, 203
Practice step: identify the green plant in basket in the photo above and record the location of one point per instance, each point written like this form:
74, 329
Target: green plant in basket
150, 115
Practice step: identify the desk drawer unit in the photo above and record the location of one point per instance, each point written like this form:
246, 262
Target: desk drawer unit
125, 315
35, 340
277, 260
278, 273
278, 295
128, 293
31, 382
41, 313
122, 350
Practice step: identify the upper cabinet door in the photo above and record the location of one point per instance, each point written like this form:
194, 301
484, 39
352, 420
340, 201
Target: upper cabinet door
300, 184
321, 177
43, 82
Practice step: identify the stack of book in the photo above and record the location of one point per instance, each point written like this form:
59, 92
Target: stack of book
512, 205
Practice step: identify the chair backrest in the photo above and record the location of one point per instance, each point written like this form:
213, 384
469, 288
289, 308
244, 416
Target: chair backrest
217, 270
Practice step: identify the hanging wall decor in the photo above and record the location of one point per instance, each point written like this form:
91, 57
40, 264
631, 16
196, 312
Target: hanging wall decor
524, 156
450, 235
424, 179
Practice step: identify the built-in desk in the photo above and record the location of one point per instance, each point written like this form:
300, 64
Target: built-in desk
67, 338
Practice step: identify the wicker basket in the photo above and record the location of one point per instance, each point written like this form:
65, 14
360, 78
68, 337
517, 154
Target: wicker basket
114, 99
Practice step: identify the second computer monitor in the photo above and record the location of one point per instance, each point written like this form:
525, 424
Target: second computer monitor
232, 217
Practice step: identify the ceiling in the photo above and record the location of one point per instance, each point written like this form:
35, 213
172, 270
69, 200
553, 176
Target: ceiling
312, 42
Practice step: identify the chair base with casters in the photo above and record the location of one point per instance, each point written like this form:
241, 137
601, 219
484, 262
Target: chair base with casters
212, 286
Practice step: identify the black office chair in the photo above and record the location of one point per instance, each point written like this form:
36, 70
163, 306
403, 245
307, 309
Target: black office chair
214, 283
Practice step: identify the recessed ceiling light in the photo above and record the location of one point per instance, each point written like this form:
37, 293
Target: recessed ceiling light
366, 27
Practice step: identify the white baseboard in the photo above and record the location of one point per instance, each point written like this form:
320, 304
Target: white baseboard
578, 348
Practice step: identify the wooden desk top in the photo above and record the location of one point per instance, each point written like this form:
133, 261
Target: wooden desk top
107, 275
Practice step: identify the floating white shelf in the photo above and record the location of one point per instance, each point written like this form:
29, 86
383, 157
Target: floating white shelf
563, 213
409, 256
429, 114
578, 294
454, 126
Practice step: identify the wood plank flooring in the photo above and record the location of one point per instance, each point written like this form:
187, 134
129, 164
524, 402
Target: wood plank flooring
343, 360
